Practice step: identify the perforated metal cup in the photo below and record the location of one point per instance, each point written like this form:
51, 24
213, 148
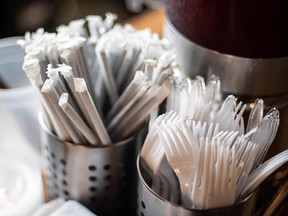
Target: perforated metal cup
151, 204
102, 179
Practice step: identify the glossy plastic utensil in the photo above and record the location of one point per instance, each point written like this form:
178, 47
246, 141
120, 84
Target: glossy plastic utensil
181, 158
152, 151
265, 134
256, 115
263, 171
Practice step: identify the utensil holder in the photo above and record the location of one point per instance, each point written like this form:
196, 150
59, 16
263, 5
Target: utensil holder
102, 179
246, 78
150, 204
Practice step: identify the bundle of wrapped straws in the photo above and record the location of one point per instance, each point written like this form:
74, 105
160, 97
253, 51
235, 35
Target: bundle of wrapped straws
100, 88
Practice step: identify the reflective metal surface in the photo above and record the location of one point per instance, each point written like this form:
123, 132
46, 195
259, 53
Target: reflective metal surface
99, 178
151, 204
239, 76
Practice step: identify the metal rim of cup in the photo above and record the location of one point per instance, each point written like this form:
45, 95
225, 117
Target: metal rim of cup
45, 128
239, 75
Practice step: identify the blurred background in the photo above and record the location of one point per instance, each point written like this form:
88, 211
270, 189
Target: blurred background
19, 16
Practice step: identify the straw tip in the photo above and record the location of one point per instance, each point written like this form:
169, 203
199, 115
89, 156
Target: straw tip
80, 85
151, 62
94, 18
31, 66
48, 85
63, 100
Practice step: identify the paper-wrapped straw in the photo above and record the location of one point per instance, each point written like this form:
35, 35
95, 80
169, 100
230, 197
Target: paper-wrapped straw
77, 120
96, 122
94, 101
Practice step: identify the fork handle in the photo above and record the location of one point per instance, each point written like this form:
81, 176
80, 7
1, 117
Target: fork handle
184, 177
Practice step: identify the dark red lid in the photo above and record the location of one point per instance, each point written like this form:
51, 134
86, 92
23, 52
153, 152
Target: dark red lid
247, 28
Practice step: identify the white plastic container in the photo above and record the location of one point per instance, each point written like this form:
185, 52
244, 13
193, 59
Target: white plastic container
21, 189
19, 104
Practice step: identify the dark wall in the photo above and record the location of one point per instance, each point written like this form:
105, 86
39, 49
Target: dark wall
19, 16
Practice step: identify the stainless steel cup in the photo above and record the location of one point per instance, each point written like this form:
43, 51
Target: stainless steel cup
151, 204
102, 179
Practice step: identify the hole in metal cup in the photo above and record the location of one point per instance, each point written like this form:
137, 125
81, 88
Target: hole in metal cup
150, 204
92, 174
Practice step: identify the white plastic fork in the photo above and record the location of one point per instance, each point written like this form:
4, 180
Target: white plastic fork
163, 183
238, 123
152, 151
224, 177
187, 135
215, 178
201, 178
168, 182
203, 113
212, 90
244, 164
200, 129
256, 115
180, 157
225, 114
227, 138
225, 187
265, 134
230, 115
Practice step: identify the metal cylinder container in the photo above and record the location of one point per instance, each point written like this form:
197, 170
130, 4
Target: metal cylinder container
150, 204
102, 178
